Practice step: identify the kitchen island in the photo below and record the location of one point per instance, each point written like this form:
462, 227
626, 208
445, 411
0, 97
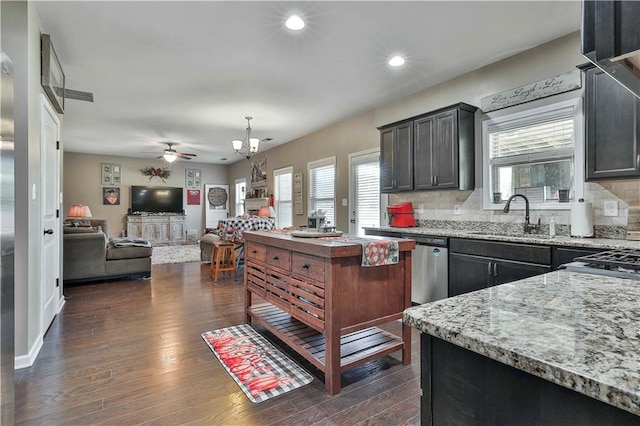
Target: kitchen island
558, 348
322, 303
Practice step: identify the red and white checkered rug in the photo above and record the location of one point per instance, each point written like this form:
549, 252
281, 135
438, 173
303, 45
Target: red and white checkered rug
261, 370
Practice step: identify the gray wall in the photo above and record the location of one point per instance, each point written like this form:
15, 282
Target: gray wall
359, 133
82, 185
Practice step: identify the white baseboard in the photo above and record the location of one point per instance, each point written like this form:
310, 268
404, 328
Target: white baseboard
26, 361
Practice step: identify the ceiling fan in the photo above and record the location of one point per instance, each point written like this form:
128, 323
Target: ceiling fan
170, 155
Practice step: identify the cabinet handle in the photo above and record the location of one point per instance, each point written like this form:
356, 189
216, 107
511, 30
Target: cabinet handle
489, 268
275, 258
432, 184
495, 269
638, 162
436, 180
305, 266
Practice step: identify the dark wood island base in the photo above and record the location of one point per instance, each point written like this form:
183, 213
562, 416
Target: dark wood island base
323, 303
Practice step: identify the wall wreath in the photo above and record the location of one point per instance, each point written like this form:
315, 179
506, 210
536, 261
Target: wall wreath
153, 172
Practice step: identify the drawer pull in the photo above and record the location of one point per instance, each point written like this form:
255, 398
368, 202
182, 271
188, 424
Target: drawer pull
254, 251
275, 257
305, 266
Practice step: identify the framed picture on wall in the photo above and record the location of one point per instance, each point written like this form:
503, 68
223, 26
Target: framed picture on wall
110, 174
52, 76
192, 178
111, 196
259, 173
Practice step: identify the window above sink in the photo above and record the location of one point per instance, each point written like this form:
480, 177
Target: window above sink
538, 152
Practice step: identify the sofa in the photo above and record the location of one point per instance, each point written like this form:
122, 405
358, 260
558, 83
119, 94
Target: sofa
89, 255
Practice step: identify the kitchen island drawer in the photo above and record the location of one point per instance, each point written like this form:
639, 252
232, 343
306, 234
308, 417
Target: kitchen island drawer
308, 266
255, 251
256, 277
278, 258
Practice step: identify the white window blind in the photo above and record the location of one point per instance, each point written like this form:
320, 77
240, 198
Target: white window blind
546, 137
366, 195
283, 189
322, 188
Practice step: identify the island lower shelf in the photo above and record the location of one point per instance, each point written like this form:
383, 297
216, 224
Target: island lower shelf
355, 348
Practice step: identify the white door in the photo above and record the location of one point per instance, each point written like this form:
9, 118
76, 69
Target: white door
50, 205
364, 190
216, 204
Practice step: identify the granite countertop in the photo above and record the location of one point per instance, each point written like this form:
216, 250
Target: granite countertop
577, 330
604, 243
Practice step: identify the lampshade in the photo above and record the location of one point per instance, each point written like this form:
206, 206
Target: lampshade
264, 212
78, 210
170, 157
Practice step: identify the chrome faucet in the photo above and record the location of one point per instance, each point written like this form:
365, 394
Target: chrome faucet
528, 227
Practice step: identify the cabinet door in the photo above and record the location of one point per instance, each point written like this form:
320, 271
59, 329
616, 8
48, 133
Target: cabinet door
178, 232
403, 157
386, 160
423, 177
612, 128
506, 271
445, 150
468, 273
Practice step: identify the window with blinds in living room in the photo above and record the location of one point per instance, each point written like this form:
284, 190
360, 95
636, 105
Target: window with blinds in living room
283, 196
365, 191
322, 177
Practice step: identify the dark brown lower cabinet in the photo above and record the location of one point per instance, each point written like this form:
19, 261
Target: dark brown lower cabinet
460, 387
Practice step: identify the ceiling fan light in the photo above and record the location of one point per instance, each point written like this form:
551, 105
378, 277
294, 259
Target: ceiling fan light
170, 157
237, 144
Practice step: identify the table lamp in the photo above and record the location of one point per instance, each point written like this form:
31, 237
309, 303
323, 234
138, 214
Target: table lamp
78, 210
266, 211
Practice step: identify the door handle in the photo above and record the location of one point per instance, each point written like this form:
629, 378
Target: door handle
495, 269
638, 162
489, 268
48, 231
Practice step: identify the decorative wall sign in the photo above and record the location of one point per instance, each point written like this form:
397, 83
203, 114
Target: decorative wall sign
530, 92
52, 76
259, 173
192, 178
111, 196
152, 172
297, 193
193, 197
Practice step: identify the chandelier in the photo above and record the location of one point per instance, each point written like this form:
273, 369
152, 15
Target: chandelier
249, 145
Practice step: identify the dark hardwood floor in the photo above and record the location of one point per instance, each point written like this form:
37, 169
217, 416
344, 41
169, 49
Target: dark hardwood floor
130, 352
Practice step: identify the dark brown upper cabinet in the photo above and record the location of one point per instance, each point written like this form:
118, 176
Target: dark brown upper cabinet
442, 151
612, 128
396, 158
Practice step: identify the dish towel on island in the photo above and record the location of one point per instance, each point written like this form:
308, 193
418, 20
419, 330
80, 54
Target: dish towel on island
375, 252
129, 242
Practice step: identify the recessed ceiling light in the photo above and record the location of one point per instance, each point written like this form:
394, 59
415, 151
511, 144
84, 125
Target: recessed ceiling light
294, 23
396, 61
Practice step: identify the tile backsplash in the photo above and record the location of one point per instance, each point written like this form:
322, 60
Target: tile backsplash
439, 206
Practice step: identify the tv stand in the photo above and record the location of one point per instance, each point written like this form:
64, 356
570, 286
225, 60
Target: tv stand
158, 229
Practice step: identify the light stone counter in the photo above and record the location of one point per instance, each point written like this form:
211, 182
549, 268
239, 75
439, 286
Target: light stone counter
564, 241
577, 330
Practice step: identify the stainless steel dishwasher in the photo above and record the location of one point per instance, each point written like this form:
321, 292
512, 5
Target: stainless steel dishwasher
429, 269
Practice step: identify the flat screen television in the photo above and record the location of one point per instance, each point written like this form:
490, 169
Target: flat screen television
156, 199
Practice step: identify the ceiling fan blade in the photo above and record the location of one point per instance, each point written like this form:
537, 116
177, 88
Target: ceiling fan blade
185, 156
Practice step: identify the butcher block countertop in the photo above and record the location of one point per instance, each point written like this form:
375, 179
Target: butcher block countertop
577, 330
331, 247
